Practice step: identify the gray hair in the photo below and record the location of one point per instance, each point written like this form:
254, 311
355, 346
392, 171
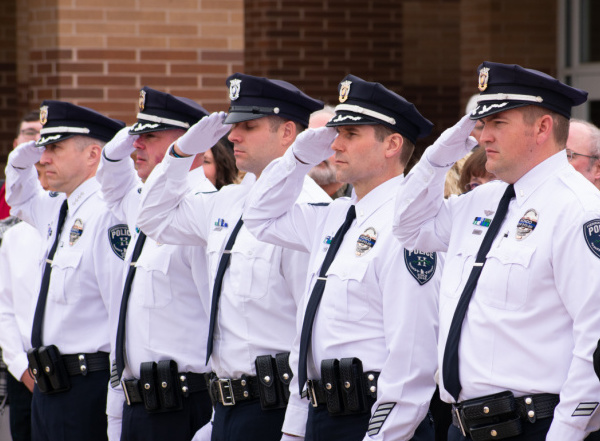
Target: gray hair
594, 133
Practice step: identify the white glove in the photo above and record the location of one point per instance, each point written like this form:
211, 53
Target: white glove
204, 134
286, 437
313, 146
204, 433
25, 155
453, 144
121, 146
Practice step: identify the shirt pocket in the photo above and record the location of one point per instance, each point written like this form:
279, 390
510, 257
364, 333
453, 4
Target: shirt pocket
153, 288
457, 269
348, 298
504, 282
65, 286
250, 268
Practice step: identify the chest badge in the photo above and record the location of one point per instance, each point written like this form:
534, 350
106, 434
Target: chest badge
76, 231
366, 241
527, 224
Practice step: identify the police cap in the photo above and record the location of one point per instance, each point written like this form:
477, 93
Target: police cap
365, 103
62, 120
254, 97
508, 86
162, 111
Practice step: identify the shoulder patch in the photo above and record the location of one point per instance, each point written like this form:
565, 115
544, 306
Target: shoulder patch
420, 265
53, 194
119, 237
319, 204
591, 233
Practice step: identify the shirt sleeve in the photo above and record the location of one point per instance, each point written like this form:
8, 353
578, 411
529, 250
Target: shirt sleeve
577, 276
169, 212
119, 184
410, 321
13, 352
422, 217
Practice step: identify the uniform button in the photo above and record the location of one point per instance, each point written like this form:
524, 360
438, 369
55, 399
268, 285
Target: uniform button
347, 385
243, 382
371, 377
286, 376
47, 369
328, 386
83, 368
531, 414
182, 378
246, 394
184, 389
361, 213
493, 433
486, 409
34, 371
164, 384
147, 386
528, 400
267, 379
81, 357
522, 193
373, 389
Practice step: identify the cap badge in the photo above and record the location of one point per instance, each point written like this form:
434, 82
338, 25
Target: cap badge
142, 100
76, 231
527, 224
484, 76
43, 115
344, 90
234, 89
366, 241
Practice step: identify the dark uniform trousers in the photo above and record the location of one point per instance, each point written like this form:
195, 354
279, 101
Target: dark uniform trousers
75, 415
246, 421
179, 425
19, 399
323, 427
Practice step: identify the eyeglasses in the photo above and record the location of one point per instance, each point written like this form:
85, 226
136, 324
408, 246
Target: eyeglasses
572, 155
29, 132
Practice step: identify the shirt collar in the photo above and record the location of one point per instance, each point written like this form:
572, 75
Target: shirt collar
535, 177
377, 197
82, 193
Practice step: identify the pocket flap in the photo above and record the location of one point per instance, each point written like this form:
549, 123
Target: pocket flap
512, 253
67, 258
348, 269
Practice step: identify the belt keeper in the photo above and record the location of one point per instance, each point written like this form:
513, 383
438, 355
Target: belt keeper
183, 383
82, 364
245, 386
530, 409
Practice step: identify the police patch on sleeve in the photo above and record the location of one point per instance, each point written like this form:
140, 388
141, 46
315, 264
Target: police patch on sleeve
591, 233
420, 265
119, 236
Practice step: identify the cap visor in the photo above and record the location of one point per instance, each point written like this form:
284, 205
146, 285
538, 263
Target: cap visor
236, 117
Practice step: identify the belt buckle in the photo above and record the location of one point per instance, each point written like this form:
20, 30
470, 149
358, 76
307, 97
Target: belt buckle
225, 383
124, 386
310, 389
456, 410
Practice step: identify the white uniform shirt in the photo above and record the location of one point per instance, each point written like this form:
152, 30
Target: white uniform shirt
263, 283
534, 318
373, 307
87, 267
169, 303
19, 288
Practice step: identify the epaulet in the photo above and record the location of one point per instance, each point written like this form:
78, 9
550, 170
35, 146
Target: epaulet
319, 204
205, 192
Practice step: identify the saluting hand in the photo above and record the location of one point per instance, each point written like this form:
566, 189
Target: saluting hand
453, 144
203, 135
26, 154
121, 146
313, 146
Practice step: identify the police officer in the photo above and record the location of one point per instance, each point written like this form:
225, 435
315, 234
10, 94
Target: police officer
369, 343
255, 287
164, 310
519, 303
81, 270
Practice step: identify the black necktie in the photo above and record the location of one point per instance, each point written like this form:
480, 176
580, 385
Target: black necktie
317, 294
40, 308
223, 263
120, 345
450, 361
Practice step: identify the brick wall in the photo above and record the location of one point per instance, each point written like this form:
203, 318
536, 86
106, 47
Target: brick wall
8, 62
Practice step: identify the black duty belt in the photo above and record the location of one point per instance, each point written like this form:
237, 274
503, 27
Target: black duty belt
228, 391
188, 383
81, 364
318, 390
501, 415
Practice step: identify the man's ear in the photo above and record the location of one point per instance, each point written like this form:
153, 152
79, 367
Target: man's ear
394, 145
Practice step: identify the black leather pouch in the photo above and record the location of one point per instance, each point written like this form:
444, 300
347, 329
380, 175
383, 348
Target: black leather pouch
352, 385
37, 371
54, 368
284, 375
330, 375
168, 385
267, 381
148, 386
